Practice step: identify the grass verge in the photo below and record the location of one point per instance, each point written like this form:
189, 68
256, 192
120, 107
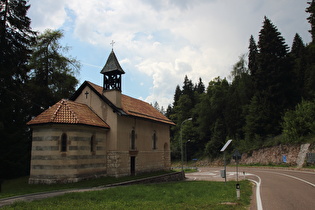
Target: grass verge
175, 195
20, 186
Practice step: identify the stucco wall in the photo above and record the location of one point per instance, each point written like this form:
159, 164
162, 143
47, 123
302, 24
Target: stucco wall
103, 111
147, 158
119, 139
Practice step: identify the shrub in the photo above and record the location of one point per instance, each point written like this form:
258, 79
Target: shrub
300, 122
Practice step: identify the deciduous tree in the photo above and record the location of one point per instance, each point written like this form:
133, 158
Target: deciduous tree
52, 73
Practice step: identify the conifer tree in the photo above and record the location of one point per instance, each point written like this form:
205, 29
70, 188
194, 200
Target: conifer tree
273, 78
297, 55
298, 47
178, 93
16, 38
188, 88
272, 51
311, 18
252, 56
309, 83
200, 87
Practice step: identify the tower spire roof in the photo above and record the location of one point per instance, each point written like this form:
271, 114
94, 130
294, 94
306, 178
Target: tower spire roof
112, 65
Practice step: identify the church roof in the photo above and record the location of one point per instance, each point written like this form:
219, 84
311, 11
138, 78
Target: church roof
69, 112
130, 106
112, 65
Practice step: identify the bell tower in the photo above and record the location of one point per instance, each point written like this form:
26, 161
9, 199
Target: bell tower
112, 72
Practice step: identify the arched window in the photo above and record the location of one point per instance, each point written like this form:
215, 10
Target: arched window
154, 141
133, 139
64, 142
93, 143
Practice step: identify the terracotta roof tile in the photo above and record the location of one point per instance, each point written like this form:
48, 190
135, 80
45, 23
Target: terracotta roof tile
137, 108
69, 112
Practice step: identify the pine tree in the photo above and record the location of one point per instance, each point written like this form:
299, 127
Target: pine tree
188, 88
16, 38
272, 51
311, 18
297, 55
309, 83
252, 56
178, 93
273, 78
298, 47
200, 87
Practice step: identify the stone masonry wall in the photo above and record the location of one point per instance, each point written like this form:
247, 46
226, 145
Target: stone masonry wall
295, 156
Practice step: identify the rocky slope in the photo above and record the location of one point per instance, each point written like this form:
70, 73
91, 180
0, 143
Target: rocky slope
292, 155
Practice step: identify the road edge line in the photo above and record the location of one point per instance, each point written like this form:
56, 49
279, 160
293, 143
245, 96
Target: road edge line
293, 177
258, 198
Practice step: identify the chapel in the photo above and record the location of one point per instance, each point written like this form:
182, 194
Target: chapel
98, 132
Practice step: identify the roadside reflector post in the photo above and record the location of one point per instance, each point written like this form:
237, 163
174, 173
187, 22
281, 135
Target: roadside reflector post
237, 156
222, 150
238, 191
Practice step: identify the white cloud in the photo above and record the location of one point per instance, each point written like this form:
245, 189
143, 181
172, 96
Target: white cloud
47, 14
169, 39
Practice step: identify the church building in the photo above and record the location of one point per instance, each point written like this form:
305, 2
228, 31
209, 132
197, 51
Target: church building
99, 132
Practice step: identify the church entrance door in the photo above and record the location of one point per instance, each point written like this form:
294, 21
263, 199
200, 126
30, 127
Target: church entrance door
132, 165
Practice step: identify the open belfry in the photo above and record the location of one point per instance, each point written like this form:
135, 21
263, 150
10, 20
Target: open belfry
99, 132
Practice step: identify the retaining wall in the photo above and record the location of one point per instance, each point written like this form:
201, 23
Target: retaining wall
176, 176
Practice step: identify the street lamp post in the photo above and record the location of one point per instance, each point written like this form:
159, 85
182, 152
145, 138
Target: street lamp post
181, 142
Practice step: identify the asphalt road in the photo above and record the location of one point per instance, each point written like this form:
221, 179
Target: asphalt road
275, 188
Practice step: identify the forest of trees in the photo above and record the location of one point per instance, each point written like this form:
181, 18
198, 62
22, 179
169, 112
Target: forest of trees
34, 74
268, 100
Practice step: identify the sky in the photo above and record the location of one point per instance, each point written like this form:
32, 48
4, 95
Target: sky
158, 42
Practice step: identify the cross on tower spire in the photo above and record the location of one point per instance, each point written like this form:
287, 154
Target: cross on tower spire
112, 43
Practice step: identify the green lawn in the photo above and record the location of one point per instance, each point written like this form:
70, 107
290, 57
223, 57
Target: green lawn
175, 195
20, 186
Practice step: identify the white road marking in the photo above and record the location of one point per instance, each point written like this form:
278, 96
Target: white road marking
293, 177
258, 198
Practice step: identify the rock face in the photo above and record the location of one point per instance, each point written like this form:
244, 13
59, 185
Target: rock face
290, 154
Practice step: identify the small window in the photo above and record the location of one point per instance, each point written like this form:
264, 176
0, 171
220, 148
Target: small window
133, 139
64, 142
93, 143
154, 140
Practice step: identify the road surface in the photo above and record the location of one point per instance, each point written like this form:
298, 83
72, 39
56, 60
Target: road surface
275, 188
